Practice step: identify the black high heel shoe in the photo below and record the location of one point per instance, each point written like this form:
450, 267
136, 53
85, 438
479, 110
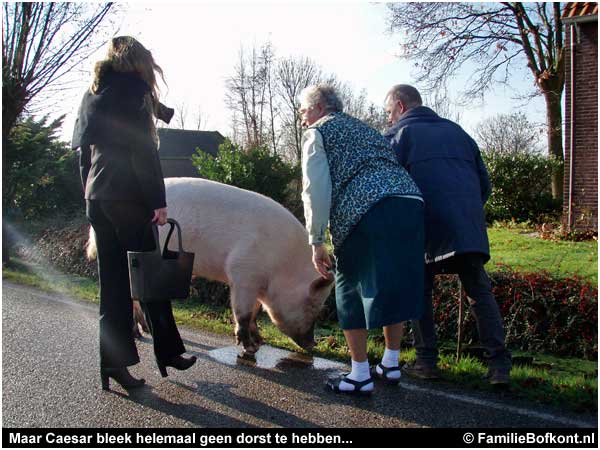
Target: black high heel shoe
178, 362
122, 376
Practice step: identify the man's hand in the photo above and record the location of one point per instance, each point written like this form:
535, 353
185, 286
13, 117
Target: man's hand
322, 261
160, 216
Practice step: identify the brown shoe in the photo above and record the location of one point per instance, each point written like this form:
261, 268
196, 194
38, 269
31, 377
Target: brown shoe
421, 371
498, 377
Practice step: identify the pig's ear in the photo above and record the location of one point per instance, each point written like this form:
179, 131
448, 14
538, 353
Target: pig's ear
319, 284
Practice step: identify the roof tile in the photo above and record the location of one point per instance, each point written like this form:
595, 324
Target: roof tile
579, 9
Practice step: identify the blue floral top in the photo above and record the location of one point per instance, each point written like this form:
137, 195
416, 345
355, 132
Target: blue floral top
363, 170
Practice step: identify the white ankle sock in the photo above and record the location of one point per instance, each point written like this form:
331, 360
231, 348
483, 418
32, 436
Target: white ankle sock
390, 359
360, 372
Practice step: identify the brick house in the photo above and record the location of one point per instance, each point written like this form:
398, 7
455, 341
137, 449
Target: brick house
178, 146
580, 197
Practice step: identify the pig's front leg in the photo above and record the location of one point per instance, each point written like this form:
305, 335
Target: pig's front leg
254, 334
243, 304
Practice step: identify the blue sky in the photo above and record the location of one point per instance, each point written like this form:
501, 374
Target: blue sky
197, 45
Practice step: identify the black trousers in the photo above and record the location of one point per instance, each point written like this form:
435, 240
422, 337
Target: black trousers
119, 227
470, 270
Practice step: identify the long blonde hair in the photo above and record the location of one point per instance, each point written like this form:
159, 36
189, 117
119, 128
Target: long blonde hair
126, 54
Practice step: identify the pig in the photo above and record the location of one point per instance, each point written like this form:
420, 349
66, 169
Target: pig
254, 245
258, 248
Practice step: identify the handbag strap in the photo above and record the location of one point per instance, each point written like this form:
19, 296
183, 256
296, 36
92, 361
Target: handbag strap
173, 224
156, 240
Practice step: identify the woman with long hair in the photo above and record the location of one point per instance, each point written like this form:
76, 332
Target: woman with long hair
125, 194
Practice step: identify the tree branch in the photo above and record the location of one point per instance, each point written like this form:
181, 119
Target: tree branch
533, 29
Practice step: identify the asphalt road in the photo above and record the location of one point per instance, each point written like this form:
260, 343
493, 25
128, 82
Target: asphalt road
50, 378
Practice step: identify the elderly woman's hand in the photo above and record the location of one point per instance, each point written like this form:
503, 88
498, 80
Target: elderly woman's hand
322, 260
160, 216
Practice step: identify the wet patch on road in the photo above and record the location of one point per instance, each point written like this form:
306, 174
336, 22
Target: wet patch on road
273, 358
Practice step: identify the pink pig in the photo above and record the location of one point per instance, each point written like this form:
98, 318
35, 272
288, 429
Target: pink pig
258, 248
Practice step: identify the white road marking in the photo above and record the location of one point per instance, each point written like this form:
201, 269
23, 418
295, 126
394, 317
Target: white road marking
499, 406
411, 387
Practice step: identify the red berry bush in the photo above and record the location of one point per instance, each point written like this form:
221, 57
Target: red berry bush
540, 313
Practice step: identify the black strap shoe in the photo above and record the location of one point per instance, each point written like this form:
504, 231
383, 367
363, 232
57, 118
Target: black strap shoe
333, 384
384, 376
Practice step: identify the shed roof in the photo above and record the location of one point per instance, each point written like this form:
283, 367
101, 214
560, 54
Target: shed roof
183, 143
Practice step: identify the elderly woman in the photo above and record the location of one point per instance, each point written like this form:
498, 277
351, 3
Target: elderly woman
352, 180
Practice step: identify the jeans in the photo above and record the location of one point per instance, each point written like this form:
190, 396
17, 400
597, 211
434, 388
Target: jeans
469, 267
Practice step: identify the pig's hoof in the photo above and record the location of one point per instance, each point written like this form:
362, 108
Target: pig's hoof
246, 356
251, 348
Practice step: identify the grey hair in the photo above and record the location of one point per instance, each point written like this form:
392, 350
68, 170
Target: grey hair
408, 95
325, 94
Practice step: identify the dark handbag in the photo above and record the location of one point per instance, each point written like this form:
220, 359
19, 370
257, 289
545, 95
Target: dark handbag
156, 276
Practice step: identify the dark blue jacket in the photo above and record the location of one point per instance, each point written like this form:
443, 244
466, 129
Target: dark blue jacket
446, 164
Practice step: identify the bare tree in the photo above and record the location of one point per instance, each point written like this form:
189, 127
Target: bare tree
256, 90
293, 75
263, 97
358, 105
508, 134
183, 118
41, 43
268, 60
247, 92
376, 117
441, 102
236, 99
200, 119
354, 104
500, 39
180, 116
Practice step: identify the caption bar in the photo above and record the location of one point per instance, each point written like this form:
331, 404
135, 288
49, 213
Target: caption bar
172, 438
299, 438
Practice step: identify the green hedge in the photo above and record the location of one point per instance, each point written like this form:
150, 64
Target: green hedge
540, 313
255, 169
41, 173
521, 188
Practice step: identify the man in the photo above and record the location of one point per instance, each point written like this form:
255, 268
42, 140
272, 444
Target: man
446, 164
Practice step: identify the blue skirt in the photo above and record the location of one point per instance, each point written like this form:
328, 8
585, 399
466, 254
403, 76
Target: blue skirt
380, 266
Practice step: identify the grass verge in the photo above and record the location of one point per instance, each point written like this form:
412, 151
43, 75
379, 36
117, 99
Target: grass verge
569, 383
522, 251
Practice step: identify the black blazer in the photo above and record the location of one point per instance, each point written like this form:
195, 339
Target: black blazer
118, 157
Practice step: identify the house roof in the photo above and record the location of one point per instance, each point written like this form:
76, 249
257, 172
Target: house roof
183, 143
574, 10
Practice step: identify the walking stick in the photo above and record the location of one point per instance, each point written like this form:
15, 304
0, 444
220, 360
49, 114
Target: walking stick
460, 322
